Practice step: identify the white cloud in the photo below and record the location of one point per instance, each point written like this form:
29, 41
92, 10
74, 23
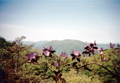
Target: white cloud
106, 35
10, 32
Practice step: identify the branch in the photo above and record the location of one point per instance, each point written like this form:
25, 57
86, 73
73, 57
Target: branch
108, 70
102, 67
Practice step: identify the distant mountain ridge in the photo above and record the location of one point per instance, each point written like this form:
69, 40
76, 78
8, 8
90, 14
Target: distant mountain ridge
63, 45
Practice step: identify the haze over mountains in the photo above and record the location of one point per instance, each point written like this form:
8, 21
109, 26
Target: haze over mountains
63, 45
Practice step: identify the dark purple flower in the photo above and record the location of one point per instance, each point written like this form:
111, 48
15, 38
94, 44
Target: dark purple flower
44, 49
76, 55
87, 48
118, 62
56, 64
91, 44
64, 55
86, 52
33, 57
90, 48
112, 45
118, 45
95, 43
47, 51
50, 49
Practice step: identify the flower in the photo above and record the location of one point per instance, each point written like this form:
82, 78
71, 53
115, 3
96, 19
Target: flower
86, 52
64, 55
95, 43
47, 51
112, 45
33, 57
56, 64
100, 50
101, 53
87, 44
91, 44
76, 53
103, 59
118, 45
87, 48
50, 49
118, 62
90, 48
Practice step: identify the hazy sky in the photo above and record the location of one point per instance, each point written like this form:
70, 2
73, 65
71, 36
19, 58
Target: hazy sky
85, 20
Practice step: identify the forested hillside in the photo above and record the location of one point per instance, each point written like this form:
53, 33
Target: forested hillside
63, 45
19, 63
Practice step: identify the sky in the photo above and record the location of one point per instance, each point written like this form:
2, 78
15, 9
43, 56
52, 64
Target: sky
84, 20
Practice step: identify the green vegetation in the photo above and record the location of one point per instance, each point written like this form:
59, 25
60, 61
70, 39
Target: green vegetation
63, 46
17, 67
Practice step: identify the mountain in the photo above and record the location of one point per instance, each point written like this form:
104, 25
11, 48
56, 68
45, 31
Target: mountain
36, 44
39, 44
63, 46
105, 46
28, 42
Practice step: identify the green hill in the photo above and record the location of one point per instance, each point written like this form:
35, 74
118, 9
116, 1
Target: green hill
99, 68
63, 46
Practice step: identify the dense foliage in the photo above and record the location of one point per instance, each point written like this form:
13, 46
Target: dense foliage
23, 64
